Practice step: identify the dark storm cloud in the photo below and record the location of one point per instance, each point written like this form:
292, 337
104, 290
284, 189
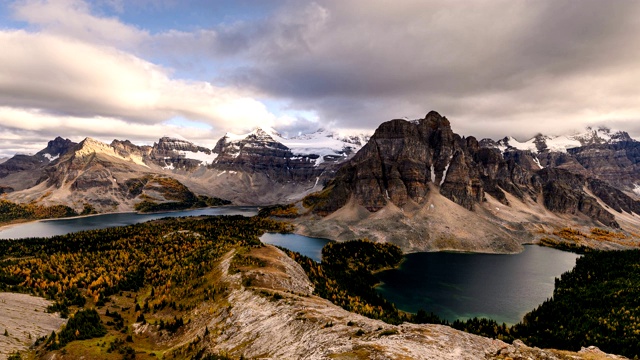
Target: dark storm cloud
488, 65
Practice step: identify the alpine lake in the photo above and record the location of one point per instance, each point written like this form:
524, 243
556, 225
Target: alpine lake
451, 285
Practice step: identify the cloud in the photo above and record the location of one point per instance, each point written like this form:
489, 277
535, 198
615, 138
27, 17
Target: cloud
28, 130
492, 67
73, 18
66, 76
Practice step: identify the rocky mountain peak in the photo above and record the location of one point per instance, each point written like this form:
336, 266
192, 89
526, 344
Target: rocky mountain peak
542, 143
601, 135
90, 145
167, 143
435, 120
408, 167
56, 147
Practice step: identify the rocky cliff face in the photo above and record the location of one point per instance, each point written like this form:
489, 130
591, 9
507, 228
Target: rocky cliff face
407, 165
306, 158
602, 153
171, 153
32, 164
403, 158
617, 163
54, 149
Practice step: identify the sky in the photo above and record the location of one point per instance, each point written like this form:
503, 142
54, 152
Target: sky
142, 69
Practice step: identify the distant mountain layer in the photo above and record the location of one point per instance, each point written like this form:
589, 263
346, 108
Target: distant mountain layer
261, 167
541, 143
610, 155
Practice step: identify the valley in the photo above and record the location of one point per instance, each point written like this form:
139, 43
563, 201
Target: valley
225, 288
197, 282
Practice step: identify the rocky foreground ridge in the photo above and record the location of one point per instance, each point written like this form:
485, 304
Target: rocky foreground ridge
421, 186
277, 317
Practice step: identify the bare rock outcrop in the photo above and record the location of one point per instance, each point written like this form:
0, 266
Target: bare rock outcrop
405, 162
297, 325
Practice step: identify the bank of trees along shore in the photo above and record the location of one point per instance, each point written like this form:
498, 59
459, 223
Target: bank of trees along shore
165, 262
596, 303
11, 212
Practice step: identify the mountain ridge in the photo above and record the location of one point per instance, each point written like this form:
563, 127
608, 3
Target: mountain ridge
405, 176
411, 169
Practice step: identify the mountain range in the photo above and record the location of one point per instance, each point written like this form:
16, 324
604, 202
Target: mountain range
414, 183
257, 168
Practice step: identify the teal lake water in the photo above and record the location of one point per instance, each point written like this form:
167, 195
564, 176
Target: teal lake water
307, 246
462, 286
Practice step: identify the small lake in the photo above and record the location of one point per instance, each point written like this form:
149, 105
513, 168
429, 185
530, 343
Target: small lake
462, 286
307, 246
47, 228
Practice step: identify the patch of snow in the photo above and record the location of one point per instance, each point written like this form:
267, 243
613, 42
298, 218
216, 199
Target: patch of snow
444, 173
206, 159
222, 173
636, 189
49, 157
316, 184
433, 175
562, 143
169, 166
387, 193
601, 135
512, 142
535, 159
556, 144
321, 142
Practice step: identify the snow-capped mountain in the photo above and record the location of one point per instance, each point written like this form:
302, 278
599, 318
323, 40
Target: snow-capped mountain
265, 167
320, 146
178, 153
603, 153
540, 143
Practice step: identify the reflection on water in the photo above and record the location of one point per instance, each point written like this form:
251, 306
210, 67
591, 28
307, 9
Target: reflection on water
307, 246
47, 228
462, 286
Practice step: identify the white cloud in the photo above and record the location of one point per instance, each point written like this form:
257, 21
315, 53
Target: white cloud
494, 68
28, 130
65, 76
73, 18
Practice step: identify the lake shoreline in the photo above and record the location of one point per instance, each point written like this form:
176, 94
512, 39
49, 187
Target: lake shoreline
22, 222
454, 286
21, 229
